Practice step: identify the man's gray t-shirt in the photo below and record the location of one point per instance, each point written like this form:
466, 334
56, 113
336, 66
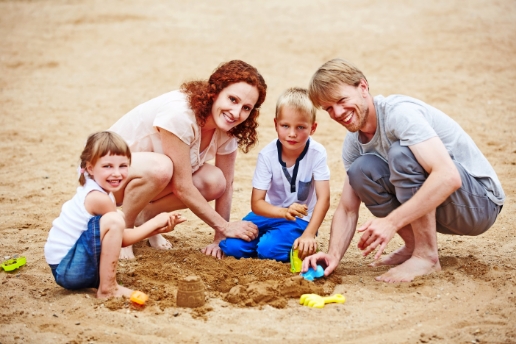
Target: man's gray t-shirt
411, 121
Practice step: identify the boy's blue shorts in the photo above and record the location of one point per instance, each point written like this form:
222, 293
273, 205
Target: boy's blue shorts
80, 267
274, 241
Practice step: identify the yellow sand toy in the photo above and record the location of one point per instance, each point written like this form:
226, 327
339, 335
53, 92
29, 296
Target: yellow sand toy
295, 261
317, 301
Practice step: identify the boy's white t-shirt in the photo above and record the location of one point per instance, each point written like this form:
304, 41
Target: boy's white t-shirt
171, 112
71, 223
269, 176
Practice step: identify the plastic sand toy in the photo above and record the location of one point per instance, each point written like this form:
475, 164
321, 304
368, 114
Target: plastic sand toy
295, 262
13, 264
139, 297
312, 274
317, 301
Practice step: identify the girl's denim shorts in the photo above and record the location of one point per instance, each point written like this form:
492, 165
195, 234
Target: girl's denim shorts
80, 267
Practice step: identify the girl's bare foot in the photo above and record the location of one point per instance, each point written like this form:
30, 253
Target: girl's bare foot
159, 242
411, 268
116, 291
126, 253
395, 258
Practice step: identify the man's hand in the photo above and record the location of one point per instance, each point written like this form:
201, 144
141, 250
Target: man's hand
327, 260
244, 230
376, 234
295, 210
305, 246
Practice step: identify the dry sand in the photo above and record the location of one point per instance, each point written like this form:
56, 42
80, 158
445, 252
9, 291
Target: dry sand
69, 68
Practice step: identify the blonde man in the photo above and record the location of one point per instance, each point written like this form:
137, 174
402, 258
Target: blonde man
414, 168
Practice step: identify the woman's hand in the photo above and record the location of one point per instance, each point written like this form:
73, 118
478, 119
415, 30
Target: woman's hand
214, 250
244, 230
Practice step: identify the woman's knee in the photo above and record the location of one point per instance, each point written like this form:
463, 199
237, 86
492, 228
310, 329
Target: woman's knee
211, 184
151, 167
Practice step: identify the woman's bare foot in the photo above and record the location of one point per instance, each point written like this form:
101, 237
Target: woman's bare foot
395, 258
159, 242
411, 268
117, 291
126, 253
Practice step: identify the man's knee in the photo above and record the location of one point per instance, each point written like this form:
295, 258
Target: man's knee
406, 174
403, 163
364, 170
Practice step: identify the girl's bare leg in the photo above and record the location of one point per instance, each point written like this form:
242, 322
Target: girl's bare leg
112, 226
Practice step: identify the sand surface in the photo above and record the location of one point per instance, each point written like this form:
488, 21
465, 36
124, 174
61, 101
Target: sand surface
70, 68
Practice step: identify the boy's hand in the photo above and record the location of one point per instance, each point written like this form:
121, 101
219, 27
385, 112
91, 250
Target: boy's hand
167, 221
306, 246
295, 210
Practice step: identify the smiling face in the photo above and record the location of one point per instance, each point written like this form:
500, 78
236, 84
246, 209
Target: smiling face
232, 106
351, 108
294, 128
109, 171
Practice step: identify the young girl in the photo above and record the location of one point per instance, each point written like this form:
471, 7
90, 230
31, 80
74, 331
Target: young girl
84, 242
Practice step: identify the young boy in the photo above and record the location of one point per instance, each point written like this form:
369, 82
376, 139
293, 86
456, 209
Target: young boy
291, 190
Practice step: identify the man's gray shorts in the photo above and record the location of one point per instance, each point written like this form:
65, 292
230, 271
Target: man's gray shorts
383, 187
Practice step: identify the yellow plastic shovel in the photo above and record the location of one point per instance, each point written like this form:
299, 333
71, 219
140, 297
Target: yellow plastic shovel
317, 301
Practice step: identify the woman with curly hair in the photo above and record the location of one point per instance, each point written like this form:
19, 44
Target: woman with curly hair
172, 136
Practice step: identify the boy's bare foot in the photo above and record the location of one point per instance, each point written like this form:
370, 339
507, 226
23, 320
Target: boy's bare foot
126, 253
411, 268
395, 258
159, 242
117, 291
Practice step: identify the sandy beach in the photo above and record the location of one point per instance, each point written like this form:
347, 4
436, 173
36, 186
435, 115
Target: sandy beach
71, 68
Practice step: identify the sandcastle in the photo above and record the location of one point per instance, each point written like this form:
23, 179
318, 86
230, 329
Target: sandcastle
190, 292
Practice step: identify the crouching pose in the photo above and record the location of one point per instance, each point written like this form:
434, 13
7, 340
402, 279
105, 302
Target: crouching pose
414, 168
84, 242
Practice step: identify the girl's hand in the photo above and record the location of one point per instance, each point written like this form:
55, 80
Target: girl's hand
306, 246
167, 221
295, 210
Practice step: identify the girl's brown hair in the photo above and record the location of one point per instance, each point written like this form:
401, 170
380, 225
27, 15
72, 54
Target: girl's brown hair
101, 144
201, 95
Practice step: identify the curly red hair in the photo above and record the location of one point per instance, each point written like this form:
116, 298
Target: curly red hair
201, 95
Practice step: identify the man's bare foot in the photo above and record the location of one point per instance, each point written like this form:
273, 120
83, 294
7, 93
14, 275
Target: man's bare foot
411, 268
395, 258
126, 253
159, 242
117, 291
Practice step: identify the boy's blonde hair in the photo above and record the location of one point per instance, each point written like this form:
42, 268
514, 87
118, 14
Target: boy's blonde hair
297, 98
101, 144
323, 87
